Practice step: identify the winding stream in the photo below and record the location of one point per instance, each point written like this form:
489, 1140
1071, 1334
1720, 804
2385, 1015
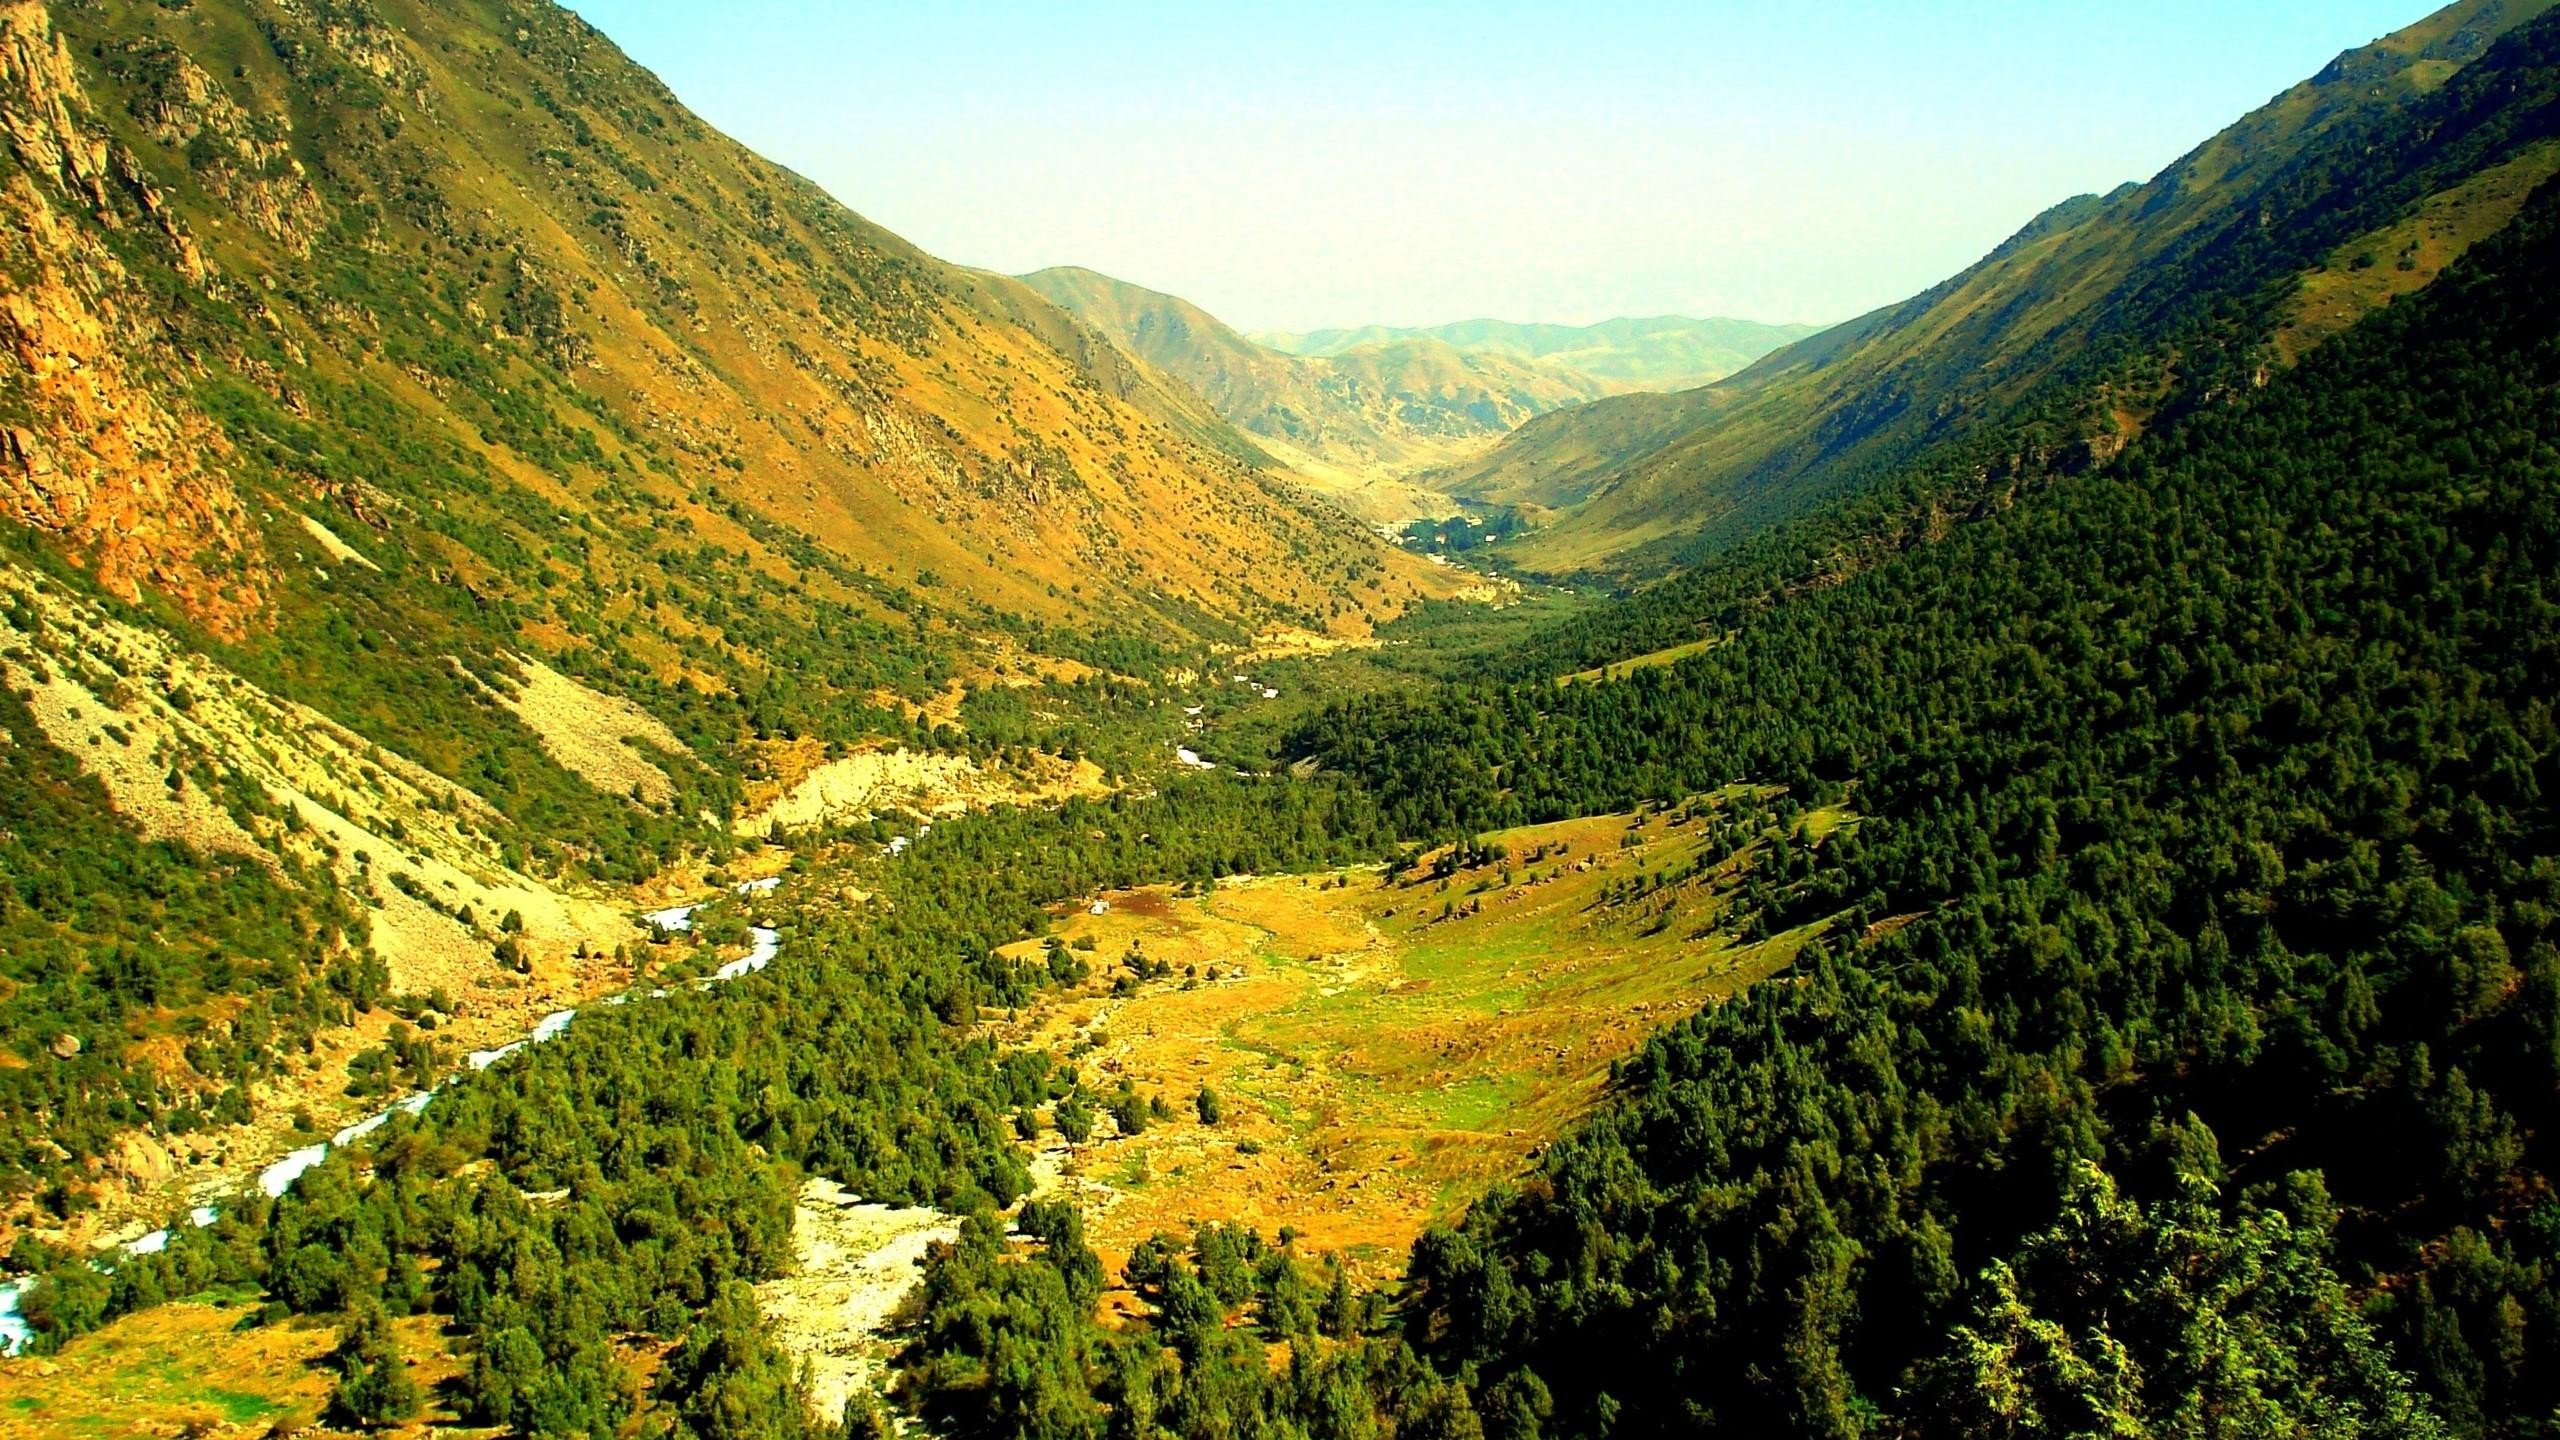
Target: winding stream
277, 1178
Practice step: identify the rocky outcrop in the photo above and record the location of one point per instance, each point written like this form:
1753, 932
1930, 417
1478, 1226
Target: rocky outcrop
121, 469
245, 161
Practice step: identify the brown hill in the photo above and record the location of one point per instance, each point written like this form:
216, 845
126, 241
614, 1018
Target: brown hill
518, 249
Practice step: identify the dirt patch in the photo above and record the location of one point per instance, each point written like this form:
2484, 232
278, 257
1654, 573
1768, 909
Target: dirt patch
595, 736
875, 782
337, 549
1299, 644
854, 1263
1145, 904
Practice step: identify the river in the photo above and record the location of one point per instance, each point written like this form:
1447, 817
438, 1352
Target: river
275, 1179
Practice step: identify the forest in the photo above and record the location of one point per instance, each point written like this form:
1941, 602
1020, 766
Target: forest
2210, 842
633, 1176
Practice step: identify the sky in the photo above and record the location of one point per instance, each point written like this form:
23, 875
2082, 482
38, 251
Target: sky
1300, 166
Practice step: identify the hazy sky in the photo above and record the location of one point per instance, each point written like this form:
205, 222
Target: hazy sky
1336, 164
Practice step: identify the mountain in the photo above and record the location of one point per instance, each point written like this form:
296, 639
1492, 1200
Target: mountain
1388, 407
1665, 352
2173, 1032
529, 242
2088, 324
2059, 937
446, 487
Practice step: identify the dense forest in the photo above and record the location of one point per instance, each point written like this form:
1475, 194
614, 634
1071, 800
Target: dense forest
2209, 840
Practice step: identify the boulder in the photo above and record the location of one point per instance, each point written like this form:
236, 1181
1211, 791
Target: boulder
143, 1161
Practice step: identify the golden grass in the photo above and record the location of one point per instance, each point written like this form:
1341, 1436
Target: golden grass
189, 1368
1378, 1064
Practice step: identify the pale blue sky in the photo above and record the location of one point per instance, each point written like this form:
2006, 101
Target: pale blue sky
1337, 164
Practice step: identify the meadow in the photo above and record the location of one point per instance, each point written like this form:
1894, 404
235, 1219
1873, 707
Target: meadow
1382, 1046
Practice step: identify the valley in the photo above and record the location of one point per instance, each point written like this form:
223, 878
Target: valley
1369, 417
630, 807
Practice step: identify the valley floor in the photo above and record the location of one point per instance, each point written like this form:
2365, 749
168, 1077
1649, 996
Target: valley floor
1381, 1050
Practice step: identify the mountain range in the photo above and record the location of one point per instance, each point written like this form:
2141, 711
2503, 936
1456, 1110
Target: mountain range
1663, 352
1356, 411
2076, 334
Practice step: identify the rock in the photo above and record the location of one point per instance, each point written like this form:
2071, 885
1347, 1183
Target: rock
122, 471
143, 1161
65, 1045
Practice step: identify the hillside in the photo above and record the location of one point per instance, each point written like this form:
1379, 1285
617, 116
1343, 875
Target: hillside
2047, 924
527, 240
1367, 412
2190, 945
2090, 322
443, 481
1662, 352
2161, 872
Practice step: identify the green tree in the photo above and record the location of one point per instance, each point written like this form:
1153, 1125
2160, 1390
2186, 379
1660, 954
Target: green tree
373, 1386
2131, 1320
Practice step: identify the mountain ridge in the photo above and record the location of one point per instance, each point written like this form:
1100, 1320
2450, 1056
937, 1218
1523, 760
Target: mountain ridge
2066, 338
1372, 411
1658, 352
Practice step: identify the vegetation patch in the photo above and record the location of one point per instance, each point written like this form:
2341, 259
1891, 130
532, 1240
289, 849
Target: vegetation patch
1620, 669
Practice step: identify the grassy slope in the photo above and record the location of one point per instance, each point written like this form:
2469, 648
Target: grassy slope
1621, 669
189, 1368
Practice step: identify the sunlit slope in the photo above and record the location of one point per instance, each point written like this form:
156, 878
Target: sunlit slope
487, 232
2064, 342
